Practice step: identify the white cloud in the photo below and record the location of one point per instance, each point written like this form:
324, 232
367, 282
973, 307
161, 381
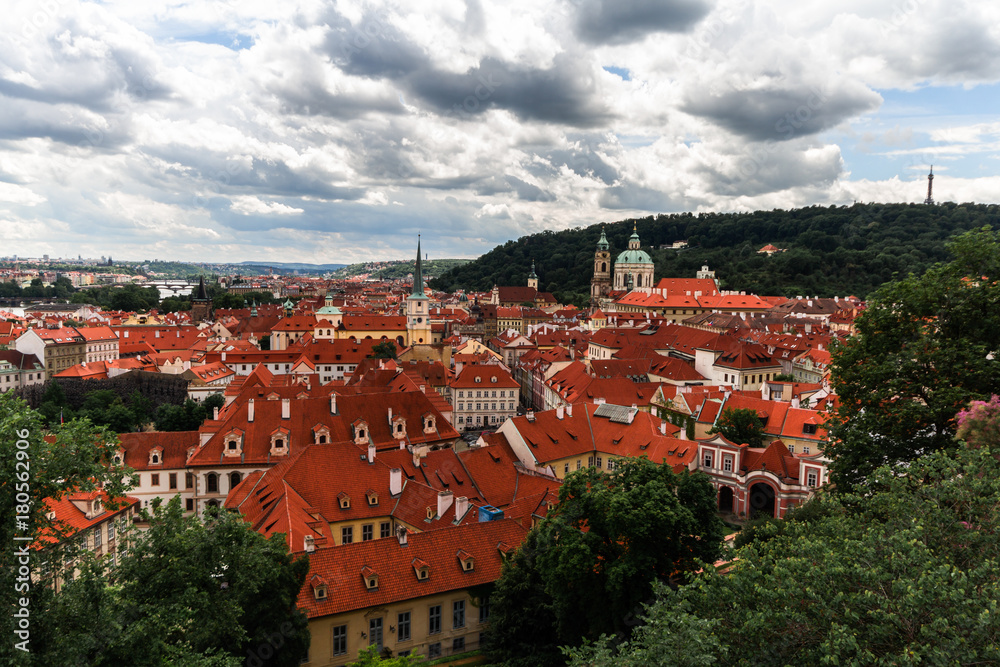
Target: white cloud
248, 205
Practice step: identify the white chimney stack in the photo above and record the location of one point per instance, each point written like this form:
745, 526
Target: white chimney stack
215, 414
683, 435
333, 404
663, 427
402, 535
569, 410
390, 415
461, 507
396, 481
560, 411
444, 502
250, 410
371, 453
286, 408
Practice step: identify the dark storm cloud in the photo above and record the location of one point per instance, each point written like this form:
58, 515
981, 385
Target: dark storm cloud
782, 113
584, 162
623, 21
564, 93
511, 184
631, 196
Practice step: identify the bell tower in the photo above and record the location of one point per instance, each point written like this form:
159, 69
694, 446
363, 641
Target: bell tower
600, 284
418, 323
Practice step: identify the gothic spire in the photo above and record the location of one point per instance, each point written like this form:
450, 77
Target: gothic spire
418, 274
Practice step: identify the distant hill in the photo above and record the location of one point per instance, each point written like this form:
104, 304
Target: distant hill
830, 251
294, 266
395, 270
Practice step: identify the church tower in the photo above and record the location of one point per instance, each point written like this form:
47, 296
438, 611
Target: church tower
201, 305
532, 278
600, 284
418, 323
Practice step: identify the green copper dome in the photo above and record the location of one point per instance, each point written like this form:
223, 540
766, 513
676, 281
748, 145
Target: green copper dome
603, 243
634, 257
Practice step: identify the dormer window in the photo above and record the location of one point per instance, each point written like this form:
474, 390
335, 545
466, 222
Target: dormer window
233, 444
371, 578
320, 592
467, 561
360, 432
97, 507
319, 586
421, 569
399, 428
372, 498
321, 435
430, 423
493, 379
279, 442
155, 456
431, 513
809, 429
117, 459
345, 501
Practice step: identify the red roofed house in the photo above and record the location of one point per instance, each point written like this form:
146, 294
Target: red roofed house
759, 481
57, 349
483, 395
419, 594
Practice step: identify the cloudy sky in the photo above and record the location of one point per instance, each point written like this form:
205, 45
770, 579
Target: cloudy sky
319, 131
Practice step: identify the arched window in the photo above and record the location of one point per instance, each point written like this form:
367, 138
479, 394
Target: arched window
211, 483
234, 479
604, 266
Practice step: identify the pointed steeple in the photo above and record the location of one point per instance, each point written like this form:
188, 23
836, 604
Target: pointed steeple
253, 309
532, 274
418, 276
202, 294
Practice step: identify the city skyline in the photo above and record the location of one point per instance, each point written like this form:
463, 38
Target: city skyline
333, 133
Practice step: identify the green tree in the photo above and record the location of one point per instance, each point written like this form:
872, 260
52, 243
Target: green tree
371, 657
740, 425
190, 591
589, 565
36, 465
385, 349
903, 575
924, 347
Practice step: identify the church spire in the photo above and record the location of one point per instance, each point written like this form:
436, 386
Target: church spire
418, 275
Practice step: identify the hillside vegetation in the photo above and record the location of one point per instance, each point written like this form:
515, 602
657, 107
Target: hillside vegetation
394, 270
830, 251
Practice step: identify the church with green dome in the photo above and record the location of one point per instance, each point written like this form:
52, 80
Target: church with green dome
633, 267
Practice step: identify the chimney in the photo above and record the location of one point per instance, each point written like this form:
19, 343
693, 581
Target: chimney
461, 507
396, 481
683, 435
371, 453
402, 535
250, 410
333, 404
215, 414
286, 408
416, 459
308, 544
223, 356
569, 409
444, 502
390, 415
560, 411
663, 427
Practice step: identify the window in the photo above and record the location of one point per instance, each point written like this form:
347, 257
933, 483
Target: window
403, 627
597, 461
385, 529
458, 614
484, 611
375, 632
727, 463
611, 464
97, 537
188, 481
212, 483
367, 532
173, 481
458, 644
434, 650
805, 450
578, 464
234, 479
811, 478
346, 534
809, 429
708, 459
189, 505
565, 468
340, 640
111, 530
154, 479
434, 619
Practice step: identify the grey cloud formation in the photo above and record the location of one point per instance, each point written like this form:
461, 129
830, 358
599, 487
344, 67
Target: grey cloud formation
621, 21
779, 111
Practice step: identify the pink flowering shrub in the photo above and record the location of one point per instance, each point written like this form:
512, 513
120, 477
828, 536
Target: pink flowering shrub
979, 424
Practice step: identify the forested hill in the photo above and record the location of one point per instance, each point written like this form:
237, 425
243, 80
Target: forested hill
830, 251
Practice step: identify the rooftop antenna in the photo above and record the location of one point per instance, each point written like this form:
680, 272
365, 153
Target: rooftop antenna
930, 185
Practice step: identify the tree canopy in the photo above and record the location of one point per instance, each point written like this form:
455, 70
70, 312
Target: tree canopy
587, 568
740, 426
925, 346
905, 575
